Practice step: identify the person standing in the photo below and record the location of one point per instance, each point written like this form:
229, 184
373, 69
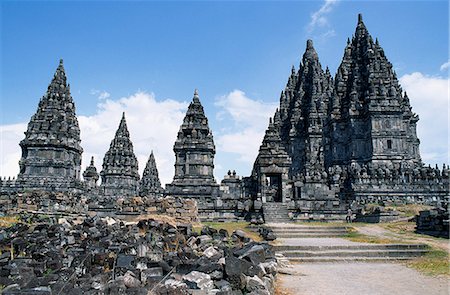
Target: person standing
349, 216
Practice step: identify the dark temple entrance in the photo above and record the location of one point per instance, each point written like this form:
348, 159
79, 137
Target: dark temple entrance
274, 187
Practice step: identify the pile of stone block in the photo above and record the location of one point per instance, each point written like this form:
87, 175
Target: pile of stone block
433, 222
176, 207
106, 256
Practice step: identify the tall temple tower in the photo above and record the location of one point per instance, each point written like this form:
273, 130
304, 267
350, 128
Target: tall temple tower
194, 155
150, 183
51, 151
303, 113
370, 118
120, 174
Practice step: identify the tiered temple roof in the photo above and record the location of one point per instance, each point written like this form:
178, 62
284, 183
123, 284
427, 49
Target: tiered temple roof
51, 151
194, 148
120, 174
303, 112
150, 183
194, 157
90, 175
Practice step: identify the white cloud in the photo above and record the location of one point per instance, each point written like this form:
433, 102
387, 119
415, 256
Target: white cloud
249, 119
153, 125
10, 136
445, 66
100, 94
244, 110
429, 98
104, 95
319, 18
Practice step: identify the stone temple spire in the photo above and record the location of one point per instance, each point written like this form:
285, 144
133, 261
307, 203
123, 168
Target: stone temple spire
368, 97
271, 167
150, 183
120, 167
303, 127
90, 175
51, 151
194, 155
194, 147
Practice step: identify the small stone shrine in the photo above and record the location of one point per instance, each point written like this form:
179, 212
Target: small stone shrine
194, 158
150, 183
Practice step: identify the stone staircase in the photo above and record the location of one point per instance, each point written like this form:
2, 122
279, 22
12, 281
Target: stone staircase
276, 213
300, 243
296, 231
347, 253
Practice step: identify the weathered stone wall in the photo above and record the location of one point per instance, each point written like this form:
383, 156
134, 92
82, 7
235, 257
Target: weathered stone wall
66, 203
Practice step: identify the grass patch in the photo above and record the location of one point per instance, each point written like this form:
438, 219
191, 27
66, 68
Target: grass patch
435, 262
330, 224
409, 210
355, 236
230, 227
8, 221
403, 227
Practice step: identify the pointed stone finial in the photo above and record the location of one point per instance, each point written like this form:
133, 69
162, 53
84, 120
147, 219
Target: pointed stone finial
293, 70
196, 97
123, 115
310, 53
92, 161
61, 62
360, 19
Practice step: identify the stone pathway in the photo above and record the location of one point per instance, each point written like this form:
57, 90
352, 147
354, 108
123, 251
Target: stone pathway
354, 278
349, 276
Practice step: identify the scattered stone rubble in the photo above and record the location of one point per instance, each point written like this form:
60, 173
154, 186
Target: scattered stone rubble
267, 233
376, 214
107, 256
434, 222
74, 203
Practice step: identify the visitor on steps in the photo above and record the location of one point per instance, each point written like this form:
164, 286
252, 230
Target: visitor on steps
349, 216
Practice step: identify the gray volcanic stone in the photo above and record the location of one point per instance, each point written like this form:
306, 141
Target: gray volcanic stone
198, 280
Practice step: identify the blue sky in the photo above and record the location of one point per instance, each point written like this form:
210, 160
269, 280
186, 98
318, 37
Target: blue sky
238, 54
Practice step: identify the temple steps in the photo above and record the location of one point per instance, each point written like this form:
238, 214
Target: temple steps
300, 231
276, 213
355, 253
368, 253
301, 243
287, 235
349, 259
290, 248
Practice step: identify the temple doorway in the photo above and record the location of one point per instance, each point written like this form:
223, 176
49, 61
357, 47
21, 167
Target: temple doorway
274, 191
